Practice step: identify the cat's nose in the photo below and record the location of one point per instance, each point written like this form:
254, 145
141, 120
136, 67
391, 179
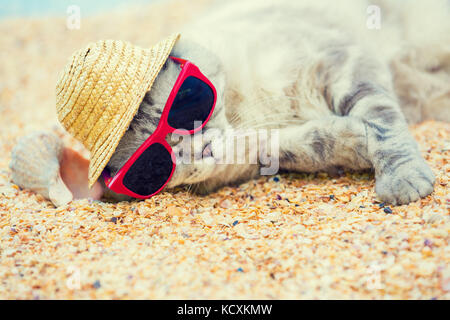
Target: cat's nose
204, 152
207, 151
199, 146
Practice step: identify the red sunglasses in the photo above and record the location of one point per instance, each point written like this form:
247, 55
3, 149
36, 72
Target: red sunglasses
191, 102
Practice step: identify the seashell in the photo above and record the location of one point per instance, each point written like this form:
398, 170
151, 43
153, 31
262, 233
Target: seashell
35, 165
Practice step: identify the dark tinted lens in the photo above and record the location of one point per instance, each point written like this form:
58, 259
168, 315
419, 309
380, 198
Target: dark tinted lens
192, 103
150, 171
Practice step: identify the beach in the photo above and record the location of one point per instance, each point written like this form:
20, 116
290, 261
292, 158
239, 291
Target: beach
290, 236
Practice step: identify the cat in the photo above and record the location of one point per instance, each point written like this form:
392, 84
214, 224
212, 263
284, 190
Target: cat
298, 67
334, 89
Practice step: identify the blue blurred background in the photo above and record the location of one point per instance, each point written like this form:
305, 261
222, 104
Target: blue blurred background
14, 8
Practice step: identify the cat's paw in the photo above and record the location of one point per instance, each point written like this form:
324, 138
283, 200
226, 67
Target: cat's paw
406, 184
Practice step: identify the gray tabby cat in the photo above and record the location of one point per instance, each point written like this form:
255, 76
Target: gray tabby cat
299, 68
317, 73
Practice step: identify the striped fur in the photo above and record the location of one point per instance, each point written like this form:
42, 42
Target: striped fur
315, 72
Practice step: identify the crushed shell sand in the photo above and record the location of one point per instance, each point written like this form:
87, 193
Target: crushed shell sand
291, 236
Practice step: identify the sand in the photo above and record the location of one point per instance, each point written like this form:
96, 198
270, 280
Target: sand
290, 236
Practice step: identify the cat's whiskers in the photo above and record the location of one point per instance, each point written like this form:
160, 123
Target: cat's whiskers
271, 99
267, 124
235, 119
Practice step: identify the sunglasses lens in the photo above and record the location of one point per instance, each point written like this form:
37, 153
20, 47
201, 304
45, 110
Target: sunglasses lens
192, 104
150, 171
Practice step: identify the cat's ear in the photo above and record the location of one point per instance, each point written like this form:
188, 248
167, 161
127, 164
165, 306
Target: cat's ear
208, 62
211, 66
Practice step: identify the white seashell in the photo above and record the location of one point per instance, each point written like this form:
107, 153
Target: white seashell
35, 165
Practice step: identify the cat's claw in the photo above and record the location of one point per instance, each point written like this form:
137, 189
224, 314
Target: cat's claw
408, 183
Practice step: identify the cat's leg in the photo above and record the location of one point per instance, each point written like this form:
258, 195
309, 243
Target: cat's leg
324, 145
362, 90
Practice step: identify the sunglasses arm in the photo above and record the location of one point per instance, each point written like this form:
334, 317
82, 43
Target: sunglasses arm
180, 61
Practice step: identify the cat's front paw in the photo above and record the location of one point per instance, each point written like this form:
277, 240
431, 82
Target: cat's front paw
406, 184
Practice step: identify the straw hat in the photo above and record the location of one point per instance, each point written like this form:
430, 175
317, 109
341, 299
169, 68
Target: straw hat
100, 91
